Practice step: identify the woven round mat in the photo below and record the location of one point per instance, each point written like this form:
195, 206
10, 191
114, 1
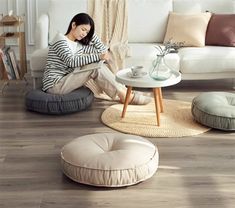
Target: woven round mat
175, 121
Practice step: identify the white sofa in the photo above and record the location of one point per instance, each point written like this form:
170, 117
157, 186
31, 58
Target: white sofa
147, 22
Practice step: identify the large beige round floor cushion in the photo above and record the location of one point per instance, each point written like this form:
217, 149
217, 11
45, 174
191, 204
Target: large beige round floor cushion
109, 159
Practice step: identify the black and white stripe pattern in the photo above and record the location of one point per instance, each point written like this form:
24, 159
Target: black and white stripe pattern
62, 61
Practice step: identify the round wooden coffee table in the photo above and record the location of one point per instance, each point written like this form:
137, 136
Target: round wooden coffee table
125, 77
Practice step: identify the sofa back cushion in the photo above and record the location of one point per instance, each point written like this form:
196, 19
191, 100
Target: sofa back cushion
61, 12
215, 6
147, 20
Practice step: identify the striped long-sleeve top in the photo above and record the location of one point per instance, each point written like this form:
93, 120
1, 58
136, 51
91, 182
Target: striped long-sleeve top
65, 55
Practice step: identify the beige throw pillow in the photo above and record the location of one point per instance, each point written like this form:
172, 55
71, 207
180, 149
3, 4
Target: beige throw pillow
187, 28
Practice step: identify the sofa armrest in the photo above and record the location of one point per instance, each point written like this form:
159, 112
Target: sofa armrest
42, 29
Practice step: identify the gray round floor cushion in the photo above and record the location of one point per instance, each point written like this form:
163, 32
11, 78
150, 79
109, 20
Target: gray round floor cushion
78, 100
215, 109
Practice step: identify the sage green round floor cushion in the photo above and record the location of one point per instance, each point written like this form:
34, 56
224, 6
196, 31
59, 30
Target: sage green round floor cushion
215, 109
42, 102
109, 159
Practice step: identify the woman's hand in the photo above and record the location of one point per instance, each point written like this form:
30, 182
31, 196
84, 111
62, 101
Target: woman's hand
105, 56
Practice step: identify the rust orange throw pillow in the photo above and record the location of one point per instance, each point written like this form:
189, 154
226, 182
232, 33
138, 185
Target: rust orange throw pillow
221, 30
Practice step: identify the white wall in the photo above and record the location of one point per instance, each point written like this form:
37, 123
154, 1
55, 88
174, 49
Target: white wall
31, 9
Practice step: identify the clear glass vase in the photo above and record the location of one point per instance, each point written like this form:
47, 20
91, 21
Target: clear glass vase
160, 70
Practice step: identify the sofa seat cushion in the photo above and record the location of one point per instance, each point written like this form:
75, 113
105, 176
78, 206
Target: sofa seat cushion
215, 109
41, 102
109, 159
38, 60
208, 59
144, 54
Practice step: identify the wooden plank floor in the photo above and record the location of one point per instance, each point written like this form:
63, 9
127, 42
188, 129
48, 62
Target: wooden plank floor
195, 172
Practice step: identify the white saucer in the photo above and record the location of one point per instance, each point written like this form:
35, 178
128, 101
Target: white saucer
138, 76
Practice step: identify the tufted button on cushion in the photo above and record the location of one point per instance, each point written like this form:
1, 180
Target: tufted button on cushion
78, 100
109, 159
215, 109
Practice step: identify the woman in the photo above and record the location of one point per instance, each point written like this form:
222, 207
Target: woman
70, 52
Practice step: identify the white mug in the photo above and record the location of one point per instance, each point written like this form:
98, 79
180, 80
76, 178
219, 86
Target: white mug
136, 70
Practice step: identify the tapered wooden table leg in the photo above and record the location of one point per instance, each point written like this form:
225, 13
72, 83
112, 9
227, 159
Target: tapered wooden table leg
160, 98
128, 93
157, 107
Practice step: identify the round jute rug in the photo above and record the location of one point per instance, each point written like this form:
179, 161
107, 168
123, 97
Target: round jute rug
175, 121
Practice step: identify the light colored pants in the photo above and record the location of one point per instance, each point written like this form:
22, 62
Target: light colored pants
103, 77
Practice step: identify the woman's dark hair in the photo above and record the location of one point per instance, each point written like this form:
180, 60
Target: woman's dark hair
83, 19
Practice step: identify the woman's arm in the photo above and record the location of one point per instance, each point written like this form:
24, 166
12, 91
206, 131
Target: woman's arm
63, 51
95, 46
